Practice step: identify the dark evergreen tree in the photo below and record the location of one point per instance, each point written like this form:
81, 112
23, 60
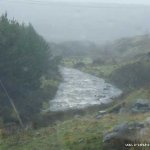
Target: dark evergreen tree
25, 60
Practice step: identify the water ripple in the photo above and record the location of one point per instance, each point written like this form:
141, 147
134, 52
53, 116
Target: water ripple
79, 90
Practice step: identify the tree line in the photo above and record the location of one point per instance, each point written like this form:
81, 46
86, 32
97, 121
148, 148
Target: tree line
28, 70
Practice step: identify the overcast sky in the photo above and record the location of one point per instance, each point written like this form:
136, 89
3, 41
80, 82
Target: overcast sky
99, 1
85, 21
109, 1
113, 1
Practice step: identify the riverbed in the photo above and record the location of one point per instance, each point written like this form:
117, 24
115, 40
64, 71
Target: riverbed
80, 90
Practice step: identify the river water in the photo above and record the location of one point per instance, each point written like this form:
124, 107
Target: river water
80, 90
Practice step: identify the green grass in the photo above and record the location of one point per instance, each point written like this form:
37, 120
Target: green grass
70, 62
130, 99
100, 71
76, 134
85, 133
32, 140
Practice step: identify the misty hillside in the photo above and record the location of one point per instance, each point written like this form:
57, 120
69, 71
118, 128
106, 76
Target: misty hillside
124, 62
121, 50
127, 49
74, 49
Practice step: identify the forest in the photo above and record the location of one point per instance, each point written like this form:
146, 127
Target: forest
28, 71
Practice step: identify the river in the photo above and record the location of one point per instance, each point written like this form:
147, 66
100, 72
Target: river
79, 90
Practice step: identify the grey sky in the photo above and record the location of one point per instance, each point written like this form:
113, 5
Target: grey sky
111, 1
99, 1
83, 21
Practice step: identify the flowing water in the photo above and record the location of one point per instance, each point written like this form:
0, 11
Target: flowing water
80, 90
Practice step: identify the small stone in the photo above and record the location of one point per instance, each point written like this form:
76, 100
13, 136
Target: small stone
102, 112
81, 140
99, 116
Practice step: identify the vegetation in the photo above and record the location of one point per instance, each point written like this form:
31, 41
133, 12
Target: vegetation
76, 134
125, 63
85, 133
134, 75
28, 70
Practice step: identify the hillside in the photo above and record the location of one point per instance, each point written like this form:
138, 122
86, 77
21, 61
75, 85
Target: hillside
78, 49
85, 133
128, 49
126, 64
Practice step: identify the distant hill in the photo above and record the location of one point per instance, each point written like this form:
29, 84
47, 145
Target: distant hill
74, 49
132, 58
127, 49
122, 50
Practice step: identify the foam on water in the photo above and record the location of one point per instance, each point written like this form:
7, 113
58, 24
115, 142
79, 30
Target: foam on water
79, 90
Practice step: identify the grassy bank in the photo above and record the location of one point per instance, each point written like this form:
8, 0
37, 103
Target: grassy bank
85, 133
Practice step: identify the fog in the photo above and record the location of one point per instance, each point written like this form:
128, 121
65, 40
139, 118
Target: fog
79, 20
85, 85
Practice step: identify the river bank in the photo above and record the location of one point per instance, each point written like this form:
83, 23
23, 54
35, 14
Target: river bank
78, 95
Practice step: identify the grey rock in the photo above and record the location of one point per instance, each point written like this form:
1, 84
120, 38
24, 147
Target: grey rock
121, 128
81, 140
124, 131
128, 132
142, 101
141, 106
99, 116
102, 112
110, 136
